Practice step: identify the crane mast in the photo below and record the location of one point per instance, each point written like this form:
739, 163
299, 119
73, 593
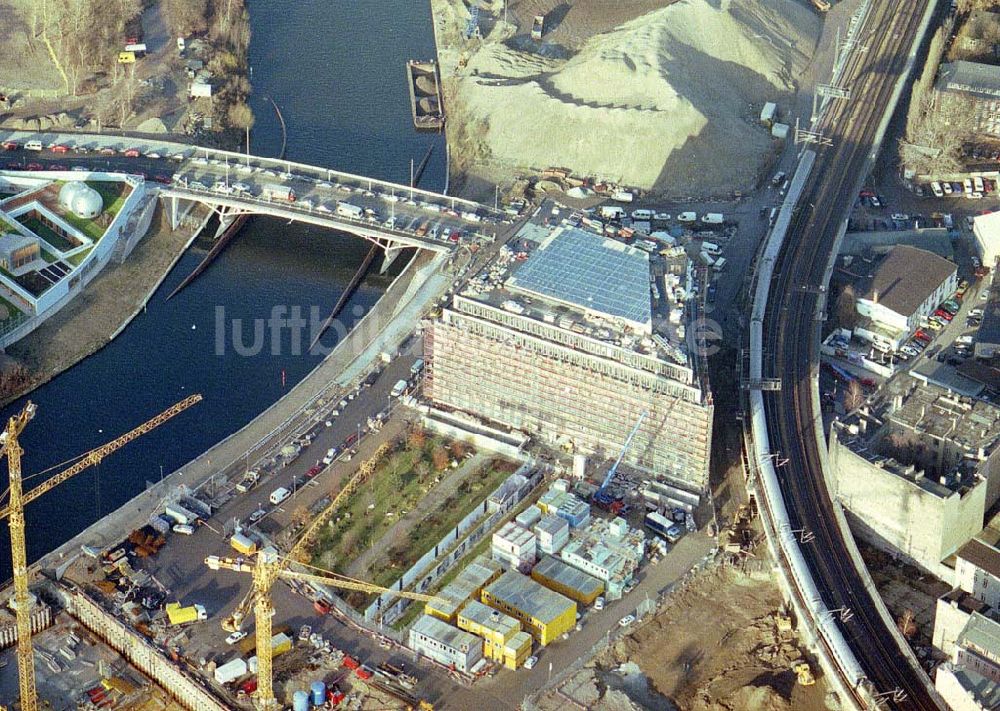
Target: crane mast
14, 512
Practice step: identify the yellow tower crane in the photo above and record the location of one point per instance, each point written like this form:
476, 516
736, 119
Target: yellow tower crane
14, 511
266, 569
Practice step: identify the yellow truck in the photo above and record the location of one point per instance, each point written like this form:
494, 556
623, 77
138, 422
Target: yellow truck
183, 615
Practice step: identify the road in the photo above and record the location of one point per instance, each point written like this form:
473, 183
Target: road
417, 215
792, 323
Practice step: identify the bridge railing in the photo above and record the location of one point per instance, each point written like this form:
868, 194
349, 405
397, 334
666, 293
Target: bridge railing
180, 190
191, 151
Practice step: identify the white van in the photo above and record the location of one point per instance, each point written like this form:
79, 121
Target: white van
611, 212
711, 248
719, 265
687, 217
33, 146
279, 495
977, 183
398, 388
713, 218
642, 214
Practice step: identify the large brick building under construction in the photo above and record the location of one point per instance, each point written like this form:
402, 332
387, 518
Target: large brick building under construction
554, 347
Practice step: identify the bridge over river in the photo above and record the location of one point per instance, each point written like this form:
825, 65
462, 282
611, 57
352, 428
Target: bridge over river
388, 214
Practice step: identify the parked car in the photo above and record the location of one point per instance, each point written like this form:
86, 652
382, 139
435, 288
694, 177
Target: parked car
626, 621
313, 471
235, 637
530, 662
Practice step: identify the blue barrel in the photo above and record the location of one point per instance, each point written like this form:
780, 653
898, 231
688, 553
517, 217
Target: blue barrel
318, 693
300, 701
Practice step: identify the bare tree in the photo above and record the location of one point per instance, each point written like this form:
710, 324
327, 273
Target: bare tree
854, 397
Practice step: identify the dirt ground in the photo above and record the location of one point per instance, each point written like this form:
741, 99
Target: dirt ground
87, 323
905, 588
716, 647
38, 98
570, 23
617, 92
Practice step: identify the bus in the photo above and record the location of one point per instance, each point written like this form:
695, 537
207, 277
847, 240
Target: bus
663, 527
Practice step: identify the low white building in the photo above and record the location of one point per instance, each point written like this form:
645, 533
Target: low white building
445, 644
552, 533
906, 287
977, 571
515, 547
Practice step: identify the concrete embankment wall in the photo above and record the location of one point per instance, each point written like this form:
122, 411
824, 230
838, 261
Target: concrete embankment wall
139, 652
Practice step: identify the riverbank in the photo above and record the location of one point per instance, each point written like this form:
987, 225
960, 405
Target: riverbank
185, 72
103, 309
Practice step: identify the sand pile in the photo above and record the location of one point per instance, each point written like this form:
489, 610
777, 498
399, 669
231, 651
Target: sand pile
669, 99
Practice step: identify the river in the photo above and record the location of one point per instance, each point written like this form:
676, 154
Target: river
337, 72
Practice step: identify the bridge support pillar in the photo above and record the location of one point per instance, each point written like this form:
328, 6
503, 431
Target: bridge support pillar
392, 250
226, 218
172, 212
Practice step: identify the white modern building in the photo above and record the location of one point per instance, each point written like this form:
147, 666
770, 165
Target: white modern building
905, 288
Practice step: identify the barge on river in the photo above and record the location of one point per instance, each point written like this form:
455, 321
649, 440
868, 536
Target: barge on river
424, 81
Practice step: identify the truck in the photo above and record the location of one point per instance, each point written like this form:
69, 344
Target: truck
185, 615
713, 218
346, 209
249, 481
272, 191
611, 212
180, 514
243, 544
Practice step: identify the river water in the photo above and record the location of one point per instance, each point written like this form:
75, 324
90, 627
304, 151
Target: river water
337, 72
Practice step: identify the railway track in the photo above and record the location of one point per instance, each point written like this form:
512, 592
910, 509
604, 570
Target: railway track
792, 324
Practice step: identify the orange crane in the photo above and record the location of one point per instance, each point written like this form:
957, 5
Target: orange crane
14, 512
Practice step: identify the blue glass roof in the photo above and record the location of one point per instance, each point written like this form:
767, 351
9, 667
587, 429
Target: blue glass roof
592, 273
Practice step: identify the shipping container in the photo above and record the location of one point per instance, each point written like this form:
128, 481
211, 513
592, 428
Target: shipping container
230, 671
180, 514
243, 544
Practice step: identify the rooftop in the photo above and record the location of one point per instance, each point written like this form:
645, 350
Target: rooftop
530, 597
514, 534
964, 601
601, 276
982, 556
969, 77
887, 431
984, 690
981, 635
551, 524
565, 574
493, 620
905, 278
469, 580
444, 633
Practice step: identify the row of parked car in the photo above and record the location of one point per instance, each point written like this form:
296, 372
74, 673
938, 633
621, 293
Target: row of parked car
942, 316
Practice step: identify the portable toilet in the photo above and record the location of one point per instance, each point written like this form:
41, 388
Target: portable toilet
318, 693
300, 701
